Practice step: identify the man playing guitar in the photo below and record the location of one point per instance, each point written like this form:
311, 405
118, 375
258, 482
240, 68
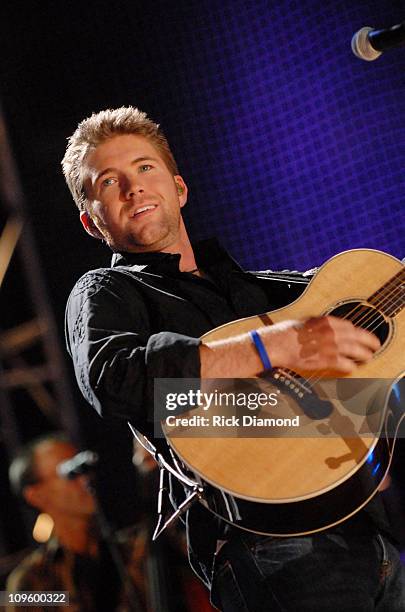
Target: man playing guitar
142, 319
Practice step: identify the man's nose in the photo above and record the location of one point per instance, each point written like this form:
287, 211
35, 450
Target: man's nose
132, 187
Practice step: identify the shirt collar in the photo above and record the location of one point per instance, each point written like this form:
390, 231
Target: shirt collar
208, 254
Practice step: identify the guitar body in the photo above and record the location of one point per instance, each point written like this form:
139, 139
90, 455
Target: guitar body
301, 483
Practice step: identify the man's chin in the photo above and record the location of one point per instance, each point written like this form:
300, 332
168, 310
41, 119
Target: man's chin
151, 239
147, 242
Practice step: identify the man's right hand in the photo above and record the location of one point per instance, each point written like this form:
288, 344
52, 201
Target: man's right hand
325, 344
319, 344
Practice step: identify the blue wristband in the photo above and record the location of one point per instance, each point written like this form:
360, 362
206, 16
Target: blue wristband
261, 349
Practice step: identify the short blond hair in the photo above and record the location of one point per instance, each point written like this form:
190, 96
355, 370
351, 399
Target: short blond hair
100, 127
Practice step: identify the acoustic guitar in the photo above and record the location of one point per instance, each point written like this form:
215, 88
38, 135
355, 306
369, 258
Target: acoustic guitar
288, 480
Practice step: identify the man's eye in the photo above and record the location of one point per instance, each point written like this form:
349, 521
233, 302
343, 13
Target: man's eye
108, 181
145, 167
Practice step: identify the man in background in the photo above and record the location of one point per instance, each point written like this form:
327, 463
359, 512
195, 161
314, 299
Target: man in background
75, 559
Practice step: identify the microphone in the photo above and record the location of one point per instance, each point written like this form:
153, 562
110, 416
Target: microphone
80, 464
368, 44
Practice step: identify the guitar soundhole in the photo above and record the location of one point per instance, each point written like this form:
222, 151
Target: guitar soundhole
365, 316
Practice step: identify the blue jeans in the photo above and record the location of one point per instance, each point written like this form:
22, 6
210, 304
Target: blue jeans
325, 572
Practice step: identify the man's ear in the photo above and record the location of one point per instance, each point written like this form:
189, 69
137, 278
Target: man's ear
90, 226
182, 189
33, 496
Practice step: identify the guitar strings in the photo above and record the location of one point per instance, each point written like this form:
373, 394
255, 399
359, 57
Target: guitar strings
375, 313
379, 320
312, 380
362, 309
387, 300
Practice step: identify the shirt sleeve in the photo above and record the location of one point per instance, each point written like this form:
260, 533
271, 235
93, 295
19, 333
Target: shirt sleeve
115, 353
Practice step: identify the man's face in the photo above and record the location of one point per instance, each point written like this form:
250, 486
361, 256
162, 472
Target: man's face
134, 199
53, 494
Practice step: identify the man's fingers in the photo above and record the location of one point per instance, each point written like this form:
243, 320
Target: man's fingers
345, 365
342, 330
336, 344
368, 339
356, 351
323, 343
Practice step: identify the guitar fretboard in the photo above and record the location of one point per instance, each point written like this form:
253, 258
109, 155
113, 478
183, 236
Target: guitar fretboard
390, 298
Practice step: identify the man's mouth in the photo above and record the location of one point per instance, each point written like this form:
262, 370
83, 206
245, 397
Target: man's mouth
144, 209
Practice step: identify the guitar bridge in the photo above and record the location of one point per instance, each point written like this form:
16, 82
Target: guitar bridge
301, 391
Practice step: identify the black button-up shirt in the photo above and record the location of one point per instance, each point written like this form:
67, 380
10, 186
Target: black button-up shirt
142, 318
